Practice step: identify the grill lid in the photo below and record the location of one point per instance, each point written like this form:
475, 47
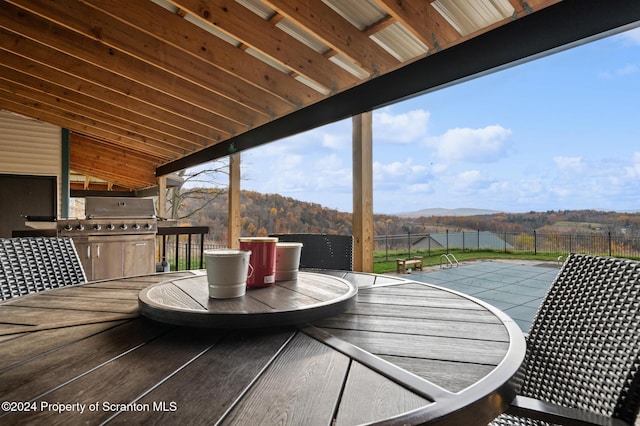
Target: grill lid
119, 207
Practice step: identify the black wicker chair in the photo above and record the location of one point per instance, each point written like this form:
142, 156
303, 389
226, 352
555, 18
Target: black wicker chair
323, 251
29, 265
583, 349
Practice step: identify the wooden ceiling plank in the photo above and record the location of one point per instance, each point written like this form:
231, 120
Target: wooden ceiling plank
107, 146
110, 87
247, 27
119, 174
325, 23
75, 101
423, 21
93, 23
93, 150
14, 65
125, 180
81, 159
57, 106
181, 34
95, 52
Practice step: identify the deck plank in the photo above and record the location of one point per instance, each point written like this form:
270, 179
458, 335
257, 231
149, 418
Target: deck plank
141, 282
453, 376
77, 350
368, 396
34, 316
302, 387
217, 377
281, 299
415, 290
425, 301
426, 347
77, 304
453, 314
416, 326
95, 292
172, 295
322, 287
123, 379
131, 285
27, 346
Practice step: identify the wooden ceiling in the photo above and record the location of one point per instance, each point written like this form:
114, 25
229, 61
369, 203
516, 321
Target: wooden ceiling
151, 87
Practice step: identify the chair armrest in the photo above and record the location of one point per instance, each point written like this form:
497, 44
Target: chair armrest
541, 410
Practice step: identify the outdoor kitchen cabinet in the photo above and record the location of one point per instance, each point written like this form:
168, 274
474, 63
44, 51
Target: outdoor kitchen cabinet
116, 256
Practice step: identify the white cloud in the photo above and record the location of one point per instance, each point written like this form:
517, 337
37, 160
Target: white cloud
397, 169
633, 170
622, 71
420, 188
628, 69
478, 145
401, 175
274, 173
468, 181
329, 172
404, 128
569, 163
336, 141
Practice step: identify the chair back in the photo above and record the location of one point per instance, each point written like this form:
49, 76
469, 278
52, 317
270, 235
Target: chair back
323, 251
583, 349
33, 264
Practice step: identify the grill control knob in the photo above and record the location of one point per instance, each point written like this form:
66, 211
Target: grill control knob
67, 227
97, 227
123, 226
148, 226
135, 226
111, 227
80, 227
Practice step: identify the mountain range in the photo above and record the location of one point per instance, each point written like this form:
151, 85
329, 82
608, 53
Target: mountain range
448, 212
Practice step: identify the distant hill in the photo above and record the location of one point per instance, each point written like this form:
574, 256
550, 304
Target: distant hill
448, 212
264, 214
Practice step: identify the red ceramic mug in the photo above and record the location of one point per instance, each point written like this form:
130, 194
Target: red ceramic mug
263, 260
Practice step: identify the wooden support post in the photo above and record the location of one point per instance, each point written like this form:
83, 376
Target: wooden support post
162, 196
363, 192
234, 201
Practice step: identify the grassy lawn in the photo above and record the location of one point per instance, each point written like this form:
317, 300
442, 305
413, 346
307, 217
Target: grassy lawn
381, 265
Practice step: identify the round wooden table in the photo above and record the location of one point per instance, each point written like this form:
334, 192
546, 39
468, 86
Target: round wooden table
404, 353
186, 301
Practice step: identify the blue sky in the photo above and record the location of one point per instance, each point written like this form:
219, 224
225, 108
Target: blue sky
561, 132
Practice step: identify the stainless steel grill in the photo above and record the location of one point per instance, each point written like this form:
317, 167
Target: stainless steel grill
116, 238
112, 216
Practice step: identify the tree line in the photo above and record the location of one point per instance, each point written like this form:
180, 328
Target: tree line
264, 214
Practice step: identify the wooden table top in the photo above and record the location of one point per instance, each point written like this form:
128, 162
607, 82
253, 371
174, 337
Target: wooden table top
404, 353
186, 301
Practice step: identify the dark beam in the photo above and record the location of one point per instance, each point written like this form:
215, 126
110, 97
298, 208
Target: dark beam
563, 25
